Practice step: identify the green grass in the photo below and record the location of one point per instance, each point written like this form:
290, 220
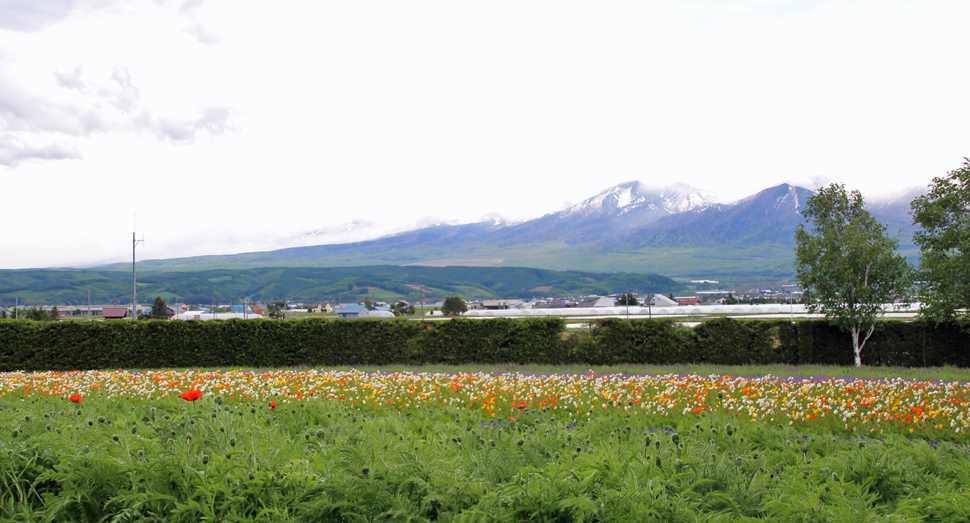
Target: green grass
120, 460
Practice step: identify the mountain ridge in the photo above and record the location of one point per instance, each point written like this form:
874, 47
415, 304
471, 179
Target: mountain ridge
677, 230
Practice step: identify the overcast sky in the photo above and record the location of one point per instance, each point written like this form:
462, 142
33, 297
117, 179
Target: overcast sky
233, 125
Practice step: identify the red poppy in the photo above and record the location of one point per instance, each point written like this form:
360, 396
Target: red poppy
522, 405
75, 398
272, 406
192, 395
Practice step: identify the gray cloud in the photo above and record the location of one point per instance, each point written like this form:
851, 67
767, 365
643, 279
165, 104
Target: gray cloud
820, 180
189, 9
28, 120
214, 120
27, 16
202, 35
14, 151
190, 5
71, 79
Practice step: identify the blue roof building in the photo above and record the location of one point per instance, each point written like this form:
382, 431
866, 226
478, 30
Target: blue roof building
353, 312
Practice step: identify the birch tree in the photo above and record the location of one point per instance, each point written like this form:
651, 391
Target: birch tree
846, 259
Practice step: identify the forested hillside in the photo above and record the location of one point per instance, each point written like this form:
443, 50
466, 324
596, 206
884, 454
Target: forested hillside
46, 286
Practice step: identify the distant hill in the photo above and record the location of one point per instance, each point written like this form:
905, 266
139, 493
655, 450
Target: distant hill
677, 231
341, 284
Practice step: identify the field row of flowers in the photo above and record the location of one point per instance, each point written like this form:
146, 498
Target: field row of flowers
868, 406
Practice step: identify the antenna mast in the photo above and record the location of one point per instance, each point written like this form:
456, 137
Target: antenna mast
134, 303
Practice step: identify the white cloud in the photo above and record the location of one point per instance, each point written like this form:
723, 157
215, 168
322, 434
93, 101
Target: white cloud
201, 34
388, 112
32, 15
46, 123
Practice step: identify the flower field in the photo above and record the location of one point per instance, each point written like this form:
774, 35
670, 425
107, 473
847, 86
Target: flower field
933, 410
324, 445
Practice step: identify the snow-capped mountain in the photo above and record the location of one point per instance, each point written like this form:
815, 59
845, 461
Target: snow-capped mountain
639, 198
768, 216
631, 226
617, 210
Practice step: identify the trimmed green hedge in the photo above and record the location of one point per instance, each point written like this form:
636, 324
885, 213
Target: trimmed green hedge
27, 345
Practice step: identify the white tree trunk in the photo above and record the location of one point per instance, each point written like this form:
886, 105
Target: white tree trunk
856, 346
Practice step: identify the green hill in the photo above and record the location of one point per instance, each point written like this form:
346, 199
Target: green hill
307, 284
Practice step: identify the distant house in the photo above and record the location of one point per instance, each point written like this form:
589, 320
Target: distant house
494, 305
659, 300
169, 313
691, 301
115, 313
327, 309
597, 301
501, 304
259, 308
239, 309
353, 312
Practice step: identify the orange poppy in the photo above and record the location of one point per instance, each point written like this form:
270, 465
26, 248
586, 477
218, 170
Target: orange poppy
75, 398
272, 406
192, 395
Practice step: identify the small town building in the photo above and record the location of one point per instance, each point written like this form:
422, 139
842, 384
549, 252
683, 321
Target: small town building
659, 300
354, 312
597, 301
495, 305
115, 313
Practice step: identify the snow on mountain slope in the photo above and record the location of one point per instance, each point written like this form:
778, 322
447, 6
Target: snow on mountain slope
637, 197
770, 215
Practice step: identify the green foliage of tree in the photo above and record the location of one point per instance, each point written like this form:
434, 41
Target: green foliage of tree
159, 309
627, 299
276, 310
849, 262
401, 308
454, 305
944, 240
369, 304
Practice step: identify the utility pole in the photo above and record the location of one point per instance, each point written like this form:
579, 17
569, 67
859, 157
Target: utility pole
134, 302
244, 304
89, 304
421, 290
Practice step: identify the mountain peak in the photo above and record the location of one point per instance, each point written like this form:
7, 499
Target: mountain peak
634, 195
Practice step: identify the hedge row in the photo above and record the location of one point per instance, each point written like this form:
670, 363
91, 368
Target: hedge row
26, 345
